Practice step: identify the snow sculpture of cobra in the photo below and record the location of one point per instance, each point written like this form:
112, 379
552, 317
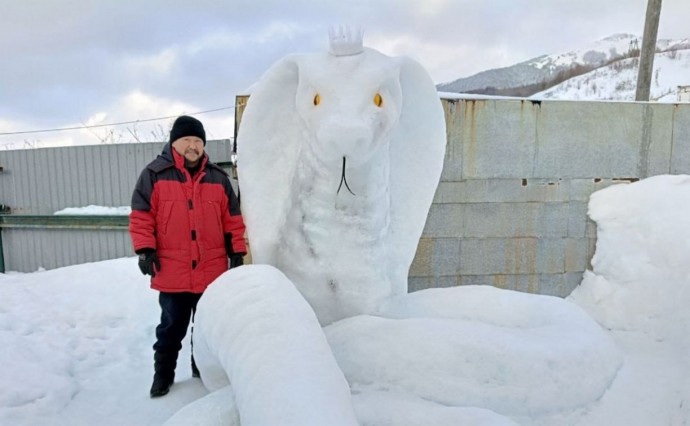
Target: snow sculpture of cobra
322, 138
340, 154
253, 330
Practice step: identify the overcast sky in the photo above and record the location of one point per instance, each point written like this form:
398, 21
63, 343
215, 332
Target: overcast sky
74, 62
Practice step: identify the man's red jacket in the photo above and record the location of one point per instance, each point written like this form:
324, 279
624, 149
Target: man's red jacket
193, 224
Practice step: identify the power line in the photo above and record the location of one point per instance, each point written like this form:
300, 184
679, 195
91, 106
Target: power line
110, 124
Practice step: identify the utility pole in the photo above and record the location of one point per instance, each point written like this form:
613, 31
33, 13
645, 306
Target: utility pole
651, 26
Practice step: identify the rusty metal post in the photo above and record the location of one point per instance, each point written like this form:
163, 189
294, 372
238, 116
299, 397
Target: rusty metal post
240, 104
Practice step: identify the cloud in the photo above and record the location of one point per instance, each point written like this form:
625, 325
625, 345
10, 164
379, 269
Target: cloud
65, 61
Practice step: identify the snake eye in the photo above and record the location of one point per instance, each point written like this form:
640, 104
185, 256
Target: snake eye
378, 100
317, 99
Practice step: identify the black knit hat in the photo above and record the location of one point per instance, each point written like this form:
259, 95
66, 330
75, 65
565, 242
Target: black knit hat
187, 126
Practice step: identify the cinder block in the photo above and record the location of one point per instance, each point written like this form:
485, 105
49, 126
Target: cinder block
656, 150
483, 256
552, 285
576, 251
445, 281
444, 221
551, 255
581, 189
498, 138
419, 283
577, 219
526, 283
422, 283
591, 229
554, 220
451, 192
680, 160
446, 257
452, 164
511, 256
421, 264
588, 139
560, 285
591, 248
572, 280
503, 220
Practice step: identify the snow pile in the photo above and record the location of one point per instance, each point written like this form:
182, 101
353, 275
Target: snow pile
93, 210
510, 352
401, 409
76, 348
641, 269
638, 289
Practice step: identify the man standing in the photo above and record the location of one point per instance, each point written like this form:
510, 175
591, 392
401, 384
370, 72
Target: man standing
185, 223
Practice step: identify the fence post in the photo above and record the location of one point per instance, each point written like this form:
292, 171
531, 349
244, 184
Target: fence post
2, 254
644, 73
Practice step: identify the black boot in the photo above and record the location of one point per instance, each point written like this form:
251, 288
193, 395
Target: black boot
195, 370
161, 384
164, 367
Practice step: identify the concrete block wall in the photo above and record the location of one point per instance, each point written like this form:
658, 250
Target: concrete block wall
511, 207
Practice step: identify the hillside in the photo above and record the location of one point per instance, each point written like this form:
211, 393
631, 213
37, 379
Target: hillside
541, 73
618, 80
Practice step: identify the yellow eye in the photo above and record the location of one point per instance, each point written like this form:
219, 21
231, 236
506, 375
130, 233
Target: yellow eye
378, 100
317, 99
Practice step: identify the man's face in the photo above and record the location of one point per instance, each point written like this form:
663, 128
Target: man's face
190, 147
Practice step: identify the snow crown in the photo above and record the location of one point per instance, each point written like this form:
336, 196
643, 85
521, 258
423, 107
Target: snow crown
345, 41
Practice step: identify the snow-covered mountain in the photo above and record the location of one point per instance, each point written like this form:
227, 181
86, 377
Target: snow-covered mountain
539, 74
618, 81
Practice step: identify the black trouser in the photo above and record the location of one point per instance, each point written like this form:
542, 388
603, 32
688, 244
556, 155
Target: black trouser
176, 311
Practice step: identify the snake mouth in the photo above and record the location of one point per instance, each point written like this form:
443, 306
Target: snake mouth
343, 179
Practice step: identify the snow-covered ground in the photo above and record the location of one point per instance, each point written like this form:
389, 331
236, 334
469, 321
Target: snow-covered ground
76, 341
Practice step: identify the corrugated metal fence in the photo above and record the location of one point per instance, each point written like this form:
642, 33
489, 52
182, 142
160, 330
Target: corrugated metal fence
43, 181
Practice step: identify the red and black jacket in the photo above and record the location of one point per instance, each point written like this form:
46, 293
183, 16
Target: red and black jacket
192, 223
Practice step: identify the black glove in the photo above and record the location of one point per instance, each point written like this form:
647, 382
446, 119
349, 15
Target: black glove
236, 260
148, 262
